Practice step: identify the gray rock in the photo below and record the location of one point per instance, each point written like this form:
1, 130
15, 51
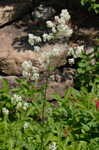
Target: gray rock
11, 10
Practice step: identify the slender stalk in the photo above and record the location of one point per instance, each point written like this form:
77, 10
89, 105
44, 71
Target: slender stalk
43, 109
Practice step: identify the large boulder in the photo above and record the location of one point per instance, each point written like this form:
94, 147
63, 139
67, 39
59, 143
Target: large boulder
13, 9
11, 57
10, 61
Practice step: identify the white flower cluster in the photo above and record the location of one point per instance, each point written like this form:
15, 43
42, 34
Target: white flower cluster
23, 105
46, 56
33, 39
53, 146
17, 100
60, 27
30, 72
5, 111
47, 37
76, 51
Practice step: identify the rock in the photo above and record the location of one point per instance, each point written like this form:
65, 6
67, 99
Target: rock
13, 55
11, 60
43, 13
11, 10
58, 88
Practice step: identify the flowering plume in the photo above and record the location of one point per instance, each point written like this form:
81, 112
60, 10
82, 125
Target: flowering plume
59, 29
30, 72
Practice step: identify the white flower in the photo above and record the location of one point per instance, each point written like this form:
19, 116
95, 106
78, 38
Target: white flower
19, 105
35, 77
57, 19
62, 20
29, 71
70, 51
30, 36
26, 65
26, 74
45, 37
53, 146
75, 51
61, 27
79, 50
35, 69
63, 31
68, 32
31, 39
5, 111
26, 125
71, 61
37, 39
54, 30
25, 106
50, 36
50, 24
65, 15
16, 98
36, 48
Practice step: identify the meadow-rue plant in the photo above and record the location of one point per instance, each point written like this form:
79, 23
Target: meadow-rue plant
59, 29
39, 124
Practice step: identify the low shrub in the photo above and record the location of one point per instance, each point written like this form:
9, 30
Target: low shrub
93, 4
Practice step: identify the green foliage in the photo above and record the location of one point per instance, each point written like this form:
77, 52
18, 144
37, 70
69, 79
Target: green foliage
88, 70
73, 124
93, 4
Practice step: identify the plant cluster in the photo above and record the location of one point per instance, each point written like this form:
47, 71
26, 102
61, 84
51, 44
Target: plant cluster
88, 69
59, 28
72, 124
28, 121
